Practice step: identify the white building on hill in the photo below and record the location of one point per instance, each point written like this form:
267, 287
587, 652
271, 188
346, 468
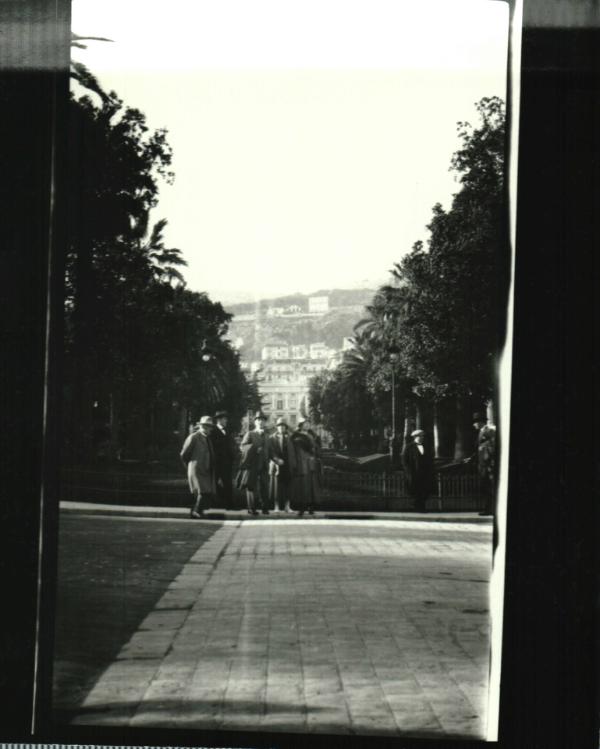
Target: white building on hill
318, 304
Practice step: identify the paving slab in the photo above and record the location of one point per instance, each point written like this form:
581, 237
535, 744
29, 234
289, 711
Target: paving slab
370, 627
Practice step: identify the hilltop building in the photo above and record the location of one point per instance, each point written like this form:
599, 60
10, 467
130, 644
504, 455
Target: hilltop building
318, 304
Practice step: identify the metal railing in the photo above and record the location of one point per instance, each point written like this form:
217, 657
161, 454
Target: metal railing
337, 488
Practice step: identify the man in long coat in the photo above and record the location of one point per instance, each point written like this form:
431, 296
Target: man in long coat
281, 467
417, 460
486, 458
198, 456
225, 450
304, 472
253, 475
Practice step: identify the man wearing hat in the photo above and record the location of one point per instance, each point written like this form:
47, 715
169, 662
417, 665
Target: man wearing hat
281, 467
304, 486
198, 456
253, 475
485, 456
417, 460
225, 450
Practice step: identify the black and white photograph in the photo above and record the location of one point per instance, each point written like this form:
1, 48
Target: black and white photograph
285, 370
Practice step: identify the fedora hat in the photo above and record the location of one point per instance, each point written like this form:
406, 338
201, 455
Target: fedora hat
417, 432
221, 415
281, 422
206, 420
478, 416
260, 415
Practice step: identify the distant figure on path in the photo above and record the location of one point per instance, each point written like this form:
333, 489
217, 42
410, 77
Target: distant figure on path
253, 475
304, 473
225, 451
281, 467
417, 460
197, 455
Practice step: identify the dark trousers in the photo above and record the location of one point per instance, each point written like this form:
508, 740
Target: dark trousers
225, 490
259, 497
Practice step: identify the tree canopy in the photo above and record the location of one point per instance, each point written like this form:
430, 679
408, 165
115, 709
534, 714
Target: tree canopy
444, 309
136, 339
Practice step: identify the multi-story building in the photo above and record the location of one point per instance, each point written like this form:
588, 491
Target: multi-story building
284, 374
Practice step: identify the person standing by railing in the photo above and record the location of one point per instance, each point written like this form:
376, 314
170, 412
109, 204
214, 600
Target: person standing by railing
303, 476
485, 456
417, 460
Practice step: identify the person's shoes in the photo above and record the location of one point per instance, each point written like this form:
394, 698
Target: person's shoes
265, 512
195, 515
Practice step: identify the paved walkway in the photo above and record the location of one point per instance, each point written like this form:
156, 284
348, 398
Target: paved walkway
328, 626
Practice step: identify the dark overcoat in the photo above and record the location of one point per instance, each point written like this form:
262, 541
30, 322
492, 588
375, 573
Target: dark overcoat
225, 451
418, 470
254, 461
304, 475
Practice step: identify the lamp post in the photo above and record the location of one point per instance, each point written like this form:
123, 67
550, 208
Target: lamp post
393, 352
206, 353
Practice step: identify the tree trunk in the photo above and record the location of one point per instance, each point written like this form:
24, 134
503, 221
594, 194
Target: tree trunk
83, 364
462, 441
420, 415
114, 411
436, 430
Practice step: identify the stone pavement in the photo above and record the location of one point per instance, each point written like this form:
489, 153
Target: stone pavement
327, 626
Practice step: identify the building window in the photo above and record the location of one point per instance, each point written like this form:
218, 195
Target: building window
279, 405
293, 420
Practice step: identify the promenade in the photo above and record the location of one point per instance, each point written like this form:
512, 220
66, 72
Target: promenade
316, 625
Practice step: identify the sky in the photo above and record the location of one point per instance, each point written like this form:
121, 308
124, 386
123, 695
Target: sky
311, 138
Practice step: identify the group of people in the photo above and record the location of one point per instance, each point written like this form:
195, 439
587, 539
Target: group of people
283, 468
418, 464
276, 470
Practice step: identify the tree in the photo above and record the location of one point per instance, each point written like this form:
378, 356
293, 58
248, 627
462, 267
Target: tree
136, 368
444, 309
456, 290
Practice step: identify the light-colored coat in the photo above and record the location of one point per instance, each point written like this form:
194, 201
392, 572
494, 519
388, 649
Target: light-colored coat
199, 456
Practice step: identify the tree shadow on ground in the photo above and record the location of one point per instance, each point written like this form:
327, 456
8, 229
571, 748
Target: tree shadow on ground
248, 714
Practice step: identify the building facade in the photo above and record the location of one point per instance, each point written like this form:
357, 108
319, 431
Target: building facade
284, 374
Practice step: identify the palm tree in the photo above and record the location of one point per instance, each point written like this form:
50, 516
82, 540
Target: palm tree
163, 262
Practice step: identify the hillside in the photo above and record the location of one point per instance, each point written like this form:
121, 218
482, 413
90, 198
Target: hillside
337, 298
347, 307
